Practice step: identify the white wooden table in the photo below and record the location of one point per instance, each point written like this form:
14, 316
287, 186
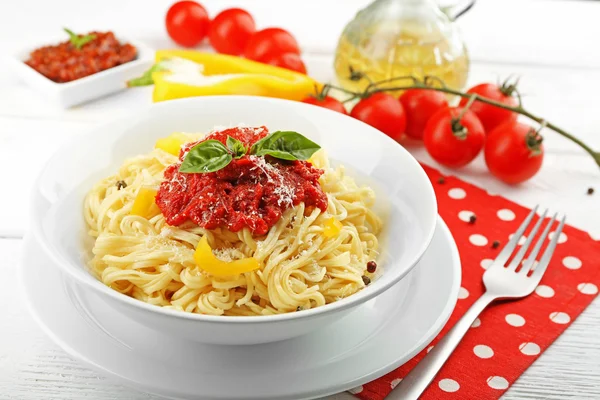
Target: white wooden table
550, 44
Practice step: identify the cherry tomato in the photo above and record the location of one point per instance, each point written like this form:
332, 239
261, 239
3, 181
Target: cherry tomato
382, 111
187, 23
230, 31
452, 142
420, 105
514, 152
270, 42
326, 102
290, 61
491, 116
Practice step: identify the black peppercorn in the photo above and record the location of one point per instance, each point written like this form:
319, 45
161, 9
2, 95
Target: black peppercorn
590, 191
472, 219
495, 244
366, 280
441, 180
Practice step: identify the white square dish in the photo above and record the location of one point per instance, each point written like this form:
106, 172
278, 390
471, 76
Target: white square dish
84, 89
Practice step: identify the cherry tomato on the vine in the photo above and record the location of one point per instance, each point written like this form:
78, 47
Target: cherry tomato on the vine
269, 43
420, 105
382, 111
489, 115
187, 23
514, 152
453, 142
231, 30
290, 61
326, 102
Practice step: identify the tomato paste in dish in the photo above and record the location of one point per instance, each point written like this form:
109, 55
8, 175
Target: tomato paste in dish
65, 62
252, 191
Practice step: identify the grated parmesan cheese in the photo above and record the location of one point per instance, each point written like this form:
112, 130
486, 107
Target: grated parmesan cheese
165, 232
285, 192
226, 255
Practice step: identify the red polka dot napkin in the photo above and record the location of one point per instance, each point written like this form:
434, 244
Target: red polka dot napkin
508, 337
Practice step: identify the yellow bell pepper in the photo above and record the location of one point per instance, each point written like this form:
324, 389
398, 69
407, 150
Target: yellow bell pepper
189, 73
144, 204
332, 228
208, 262
172, 143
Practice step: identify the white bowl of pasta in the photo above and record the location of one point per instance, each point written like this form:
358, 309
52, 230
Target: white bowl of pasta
238, 236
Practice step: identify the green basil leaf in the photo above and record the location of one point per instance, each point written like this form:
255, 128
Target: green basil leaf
236, 147
78, 41
285, 145
208, 156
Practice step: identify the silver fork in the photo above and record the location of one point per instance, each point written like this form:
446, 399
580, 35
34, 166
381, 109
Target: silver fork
501, 283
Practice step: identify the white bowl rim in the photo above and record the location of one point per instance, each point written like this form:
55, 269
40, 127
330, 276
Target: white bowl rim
360, 297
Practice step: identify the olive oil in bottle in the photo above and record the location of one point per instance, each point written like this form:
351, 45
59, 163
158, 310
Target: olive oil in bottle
394, 38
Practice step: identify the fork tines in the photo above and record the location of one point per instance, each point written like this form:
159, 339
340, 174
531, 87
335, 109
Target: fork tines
530, 263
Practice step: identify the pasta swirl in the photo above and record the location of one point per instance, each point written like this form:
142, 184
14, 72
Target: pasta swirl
301, 266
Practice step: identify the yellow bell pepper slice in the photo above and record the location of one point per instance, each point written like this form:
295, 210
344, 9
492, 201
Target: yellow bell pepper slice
220, 74
208, 262
219, 64
332, 228
144, 203
172, 143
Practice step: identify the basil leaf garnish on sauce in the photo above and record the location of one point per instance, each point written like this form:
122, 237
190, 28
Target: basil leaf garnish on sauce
208, 156
285, 145
78, 41
212, 155
236, 147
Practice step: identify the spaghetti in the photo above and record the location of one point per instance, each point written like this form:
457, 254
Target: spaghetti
308, 258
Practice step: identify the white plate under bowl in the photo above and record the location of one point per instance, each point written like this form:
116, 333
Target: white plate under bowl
84, 89
405, 200
376, 338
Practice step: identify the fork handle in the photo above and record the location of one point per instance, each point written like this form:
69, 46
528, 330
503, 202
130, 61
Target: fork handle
417, 380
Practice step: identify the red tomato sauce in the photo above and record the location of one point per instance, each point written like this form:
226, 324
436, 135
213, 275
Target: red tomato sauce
250, 192
65, 63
